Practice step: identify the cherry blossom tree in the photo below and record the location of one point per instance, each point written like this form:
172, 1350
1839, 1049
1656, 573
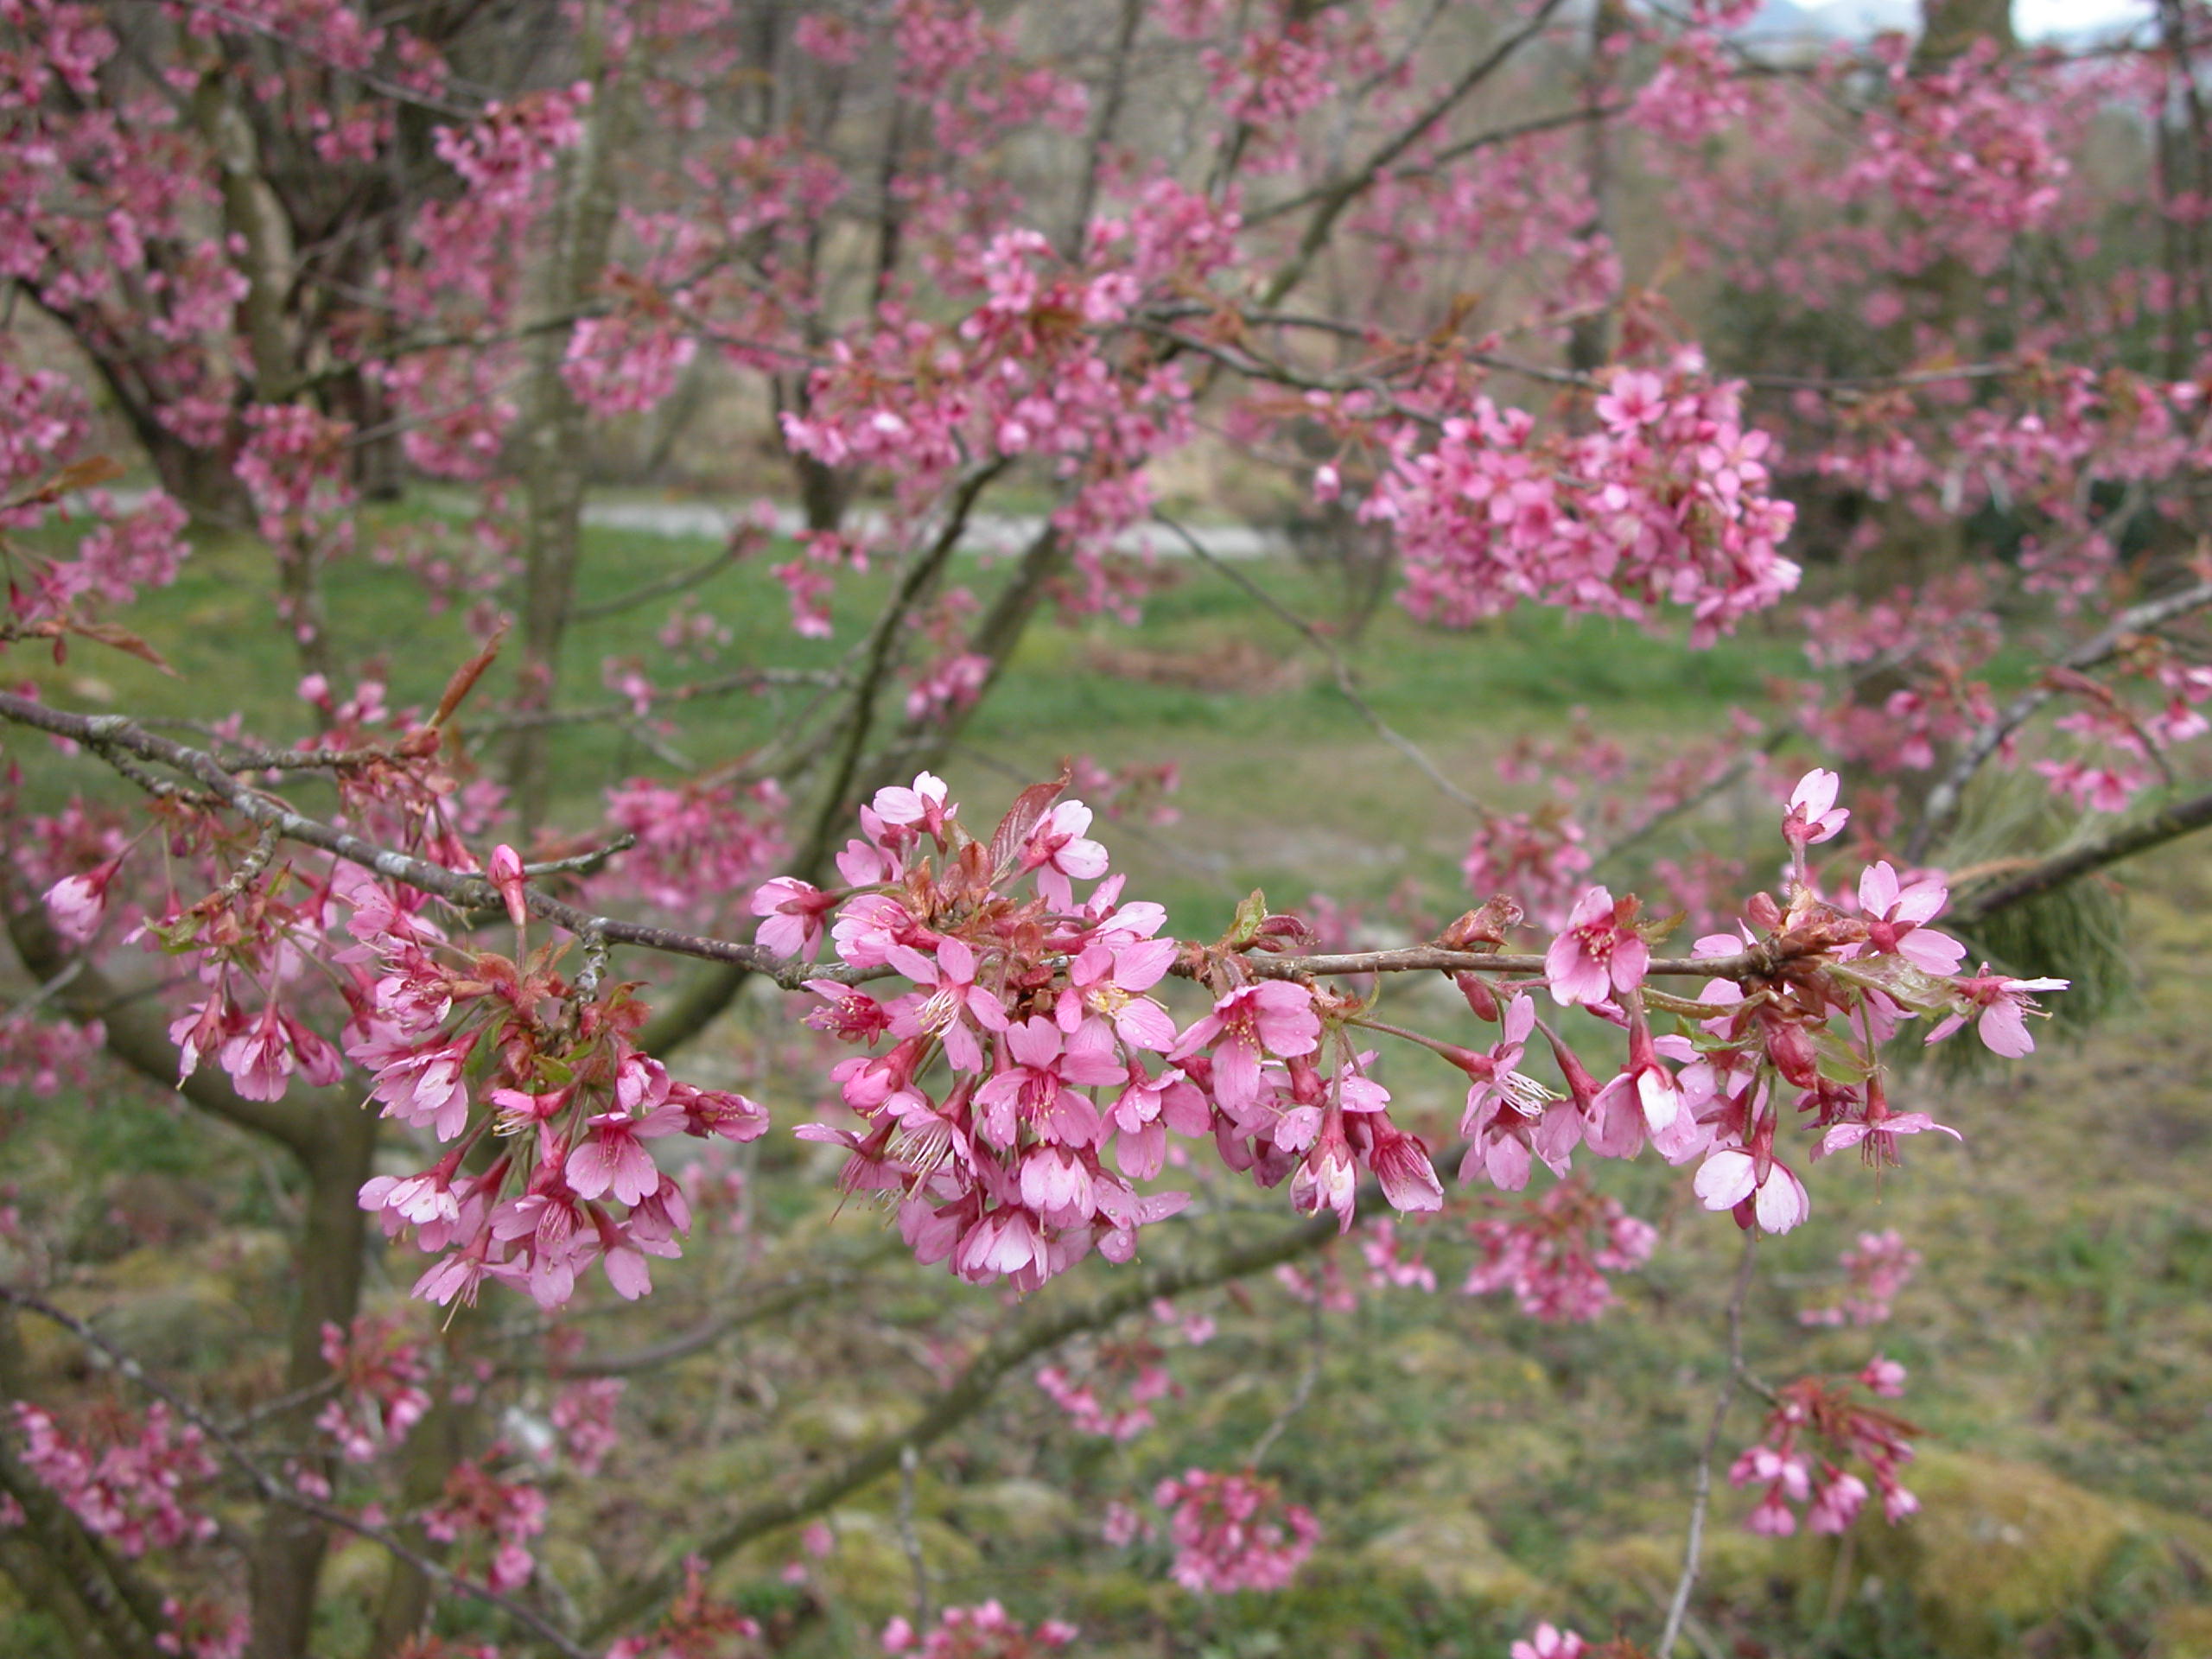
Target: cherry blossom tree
1947, 426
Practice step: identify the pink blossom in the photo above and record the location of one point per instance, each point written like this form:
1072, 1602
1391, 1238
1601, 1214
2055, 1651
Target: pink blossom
1547, 1641
78, 902
1875, 1133
1882, 1377
1507, 1115
1326, 1178
1273, 1017
1813, 816
791, 916
2004, 1004
1105, 982
260, 1060
922, 804
1894, 914
1837, 1503
1730, 1178
1059, 852
1038, 1088
610, 1158
954, 1003
1598, 953
1402, 1164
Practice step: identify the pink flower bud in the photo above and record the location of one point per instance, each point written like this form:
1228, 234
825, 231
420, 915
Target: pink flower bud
506, 876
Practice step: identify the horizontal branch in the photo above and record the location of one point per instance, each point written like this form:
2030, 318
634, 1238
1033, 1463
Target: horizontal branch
474, 891
109, 732
767, 1302
2168, 823
1435, 958
675, 582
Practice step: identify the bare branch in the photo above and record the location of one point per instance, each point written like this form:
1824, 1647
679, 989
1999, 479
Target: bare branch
2168, 824
910, 1463
1678, 1609
677, 583
1300, 1394
1338, 666
1046, 1322
878, 650
1340, 195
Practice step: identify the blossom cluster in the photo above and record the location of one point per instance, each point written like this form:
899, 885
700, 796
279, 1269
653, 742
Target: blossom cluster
1814, 1428
381, 1372
1233, 1532
1816, 977
698, 1625
985, 1631
489, 1515
575, 1102
1666, 501
134, 1484
1031, 1051
1555, 1253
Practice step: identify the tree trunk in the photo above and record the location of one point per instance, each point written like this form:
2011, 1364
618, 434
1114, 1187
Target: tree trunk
552, 439
286, 1562
1950, 27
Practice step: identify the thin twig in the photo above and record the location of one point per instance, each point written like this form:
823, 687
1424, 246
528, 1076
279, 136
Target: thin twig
740, 544
1337, 197
1300, 1394
910, 1463
880, 647
1338, 666
1678, 1608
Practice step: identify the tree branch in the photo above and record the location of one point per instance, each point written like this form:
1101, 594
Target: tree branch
1678, 1608
1043, 1325
2168, 824
1944, 800
1338, 197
